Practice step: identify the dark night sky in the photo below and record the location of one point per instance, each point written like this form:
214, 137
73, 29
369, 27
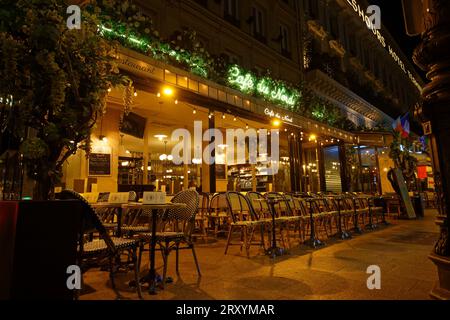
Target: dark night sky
392, 18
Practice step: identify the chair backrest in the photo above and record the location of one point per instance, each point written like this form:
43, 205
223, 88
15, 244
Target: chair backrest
132, 196
261, 208
103, 197
283, 206
203, 204
188, 197
218, 204
183, 219
91, 221
240, 208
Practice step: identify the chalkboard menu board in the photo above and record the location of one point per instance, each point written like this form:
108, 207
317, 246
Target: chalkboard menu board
100, 164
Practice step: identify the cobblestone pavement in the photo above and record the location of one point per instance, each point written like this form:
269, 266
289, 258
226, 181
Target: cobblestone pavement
336, 271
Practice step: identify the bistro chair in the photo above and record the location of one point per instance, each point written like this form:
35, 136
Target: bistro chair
286, 213
297, 212
177, 226
201, 220
93, 253
262, 210
245, 220
218, 212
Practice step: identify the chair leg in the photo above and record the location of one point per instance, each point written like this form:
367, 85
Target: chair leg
195, 259
166, 262
228, 239
136, 271
177, 256
245, 230
111, 272
141, 249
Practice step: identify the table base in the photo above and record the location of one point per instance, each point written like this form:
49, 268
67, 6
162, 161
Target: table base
152, 284
371, 226
275, 252
314, 243
343, 235
357, 230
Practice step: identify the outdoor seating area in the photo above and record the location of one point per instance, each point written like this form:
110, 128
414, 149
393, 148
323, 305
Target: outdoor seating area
115, 235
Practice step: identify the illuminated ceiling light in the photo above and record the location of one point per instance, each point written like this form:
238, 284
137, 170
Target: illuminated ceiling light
158, 95
276, 123
103, 138
194, 111
149, 168
312, 137
292, 134
163, 157
210, 115
234, 119
285, 130
246, 126
127, 152
109, 89
223, 115
135, 93
160, 137
167, 91
176, 101
170, 157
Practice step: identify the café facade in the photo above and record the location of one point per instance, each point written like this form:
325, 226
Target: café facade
132, 150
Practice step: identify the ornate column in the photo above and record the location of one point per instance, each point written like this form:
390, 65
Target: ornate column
433, 56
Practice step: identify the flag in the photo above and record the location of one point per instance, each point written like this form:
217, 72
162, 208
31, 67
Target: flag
397, 125
405, 126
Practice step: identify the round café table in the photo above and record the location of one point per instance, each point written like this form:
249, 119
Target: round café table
151, 277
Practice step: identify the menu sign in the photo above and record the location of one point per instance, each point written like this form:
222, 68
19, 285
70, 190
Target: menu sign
99, 164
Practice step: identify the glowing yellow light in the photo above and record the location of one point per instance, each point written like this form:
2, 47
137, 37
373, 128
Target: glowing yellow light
168, 91
276, 123
312, 137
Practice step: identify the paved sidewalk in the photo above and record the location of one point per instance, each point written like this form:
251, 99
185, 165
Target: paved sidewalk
337, 271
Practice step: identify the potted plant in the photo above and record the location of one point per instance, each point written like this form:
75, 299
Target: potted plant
53, 86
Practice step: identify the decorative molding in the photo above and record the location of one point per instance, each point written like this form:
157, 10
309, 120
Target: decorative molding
337, 47
317, 29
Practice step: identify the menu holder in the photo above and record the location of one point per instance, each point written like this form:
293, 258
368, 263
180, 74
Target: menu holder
118, 197
90, 197
154, 198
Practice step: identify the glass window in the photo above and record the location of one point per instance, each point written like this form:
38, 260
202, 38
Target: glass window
231, 11
285, 39
332, 169
311, 170
258, 22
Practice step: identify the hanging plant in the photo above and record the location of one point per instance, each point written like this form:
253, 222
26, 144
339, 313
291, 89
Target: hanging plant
128, 94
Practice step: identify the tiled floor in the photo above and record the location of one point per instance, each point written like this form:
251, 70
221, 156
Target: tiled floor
337, 271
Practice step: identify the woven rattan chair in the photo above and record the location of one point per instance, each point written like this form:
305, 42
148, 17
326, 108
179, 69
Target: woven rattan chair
243, 218
218, 212
201, 220
177, 226
106, 248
